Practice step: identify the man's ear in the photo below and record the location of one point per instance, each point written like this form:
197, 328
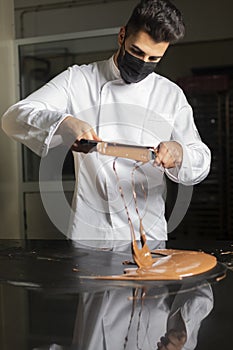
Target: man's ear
121, 36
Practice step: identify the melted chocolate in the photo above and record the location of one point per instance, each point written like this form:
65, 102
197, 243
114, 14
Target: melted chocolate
172, 265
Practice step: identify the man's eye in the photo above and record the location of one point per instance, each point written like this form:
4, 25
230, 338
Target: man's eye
136, 52
154, 59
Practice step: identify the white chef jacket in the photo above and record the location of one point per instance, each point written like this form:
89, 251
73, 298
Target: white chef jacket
144, 113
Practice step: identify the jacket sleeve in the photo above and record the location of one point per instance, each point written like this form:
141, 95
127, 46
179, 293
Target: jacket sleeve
196, 155
34, 120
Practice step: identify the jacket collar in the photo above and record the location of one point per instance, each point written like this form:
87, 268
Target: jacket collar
113, 68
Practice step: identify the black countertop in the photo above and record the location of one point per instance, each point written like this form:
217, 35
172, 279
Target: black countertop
50, 301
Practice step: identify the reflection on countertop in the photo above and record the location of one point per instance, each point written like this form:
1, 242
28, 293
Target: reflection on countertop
44, 304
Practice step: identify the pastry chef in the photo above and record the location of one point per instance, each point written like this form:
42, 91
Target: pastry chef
121, 99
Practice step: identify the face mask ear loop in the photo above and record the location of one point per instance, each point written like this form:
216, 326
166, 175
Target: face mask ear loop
123, 44
123, 47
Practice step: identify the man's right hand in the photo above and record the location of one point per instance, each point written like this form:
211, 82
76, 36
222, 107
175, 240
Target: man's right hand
72, 130
173, 340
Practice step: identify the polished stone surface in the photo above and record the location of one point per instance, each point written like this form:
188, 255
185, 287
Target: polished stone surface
48, 301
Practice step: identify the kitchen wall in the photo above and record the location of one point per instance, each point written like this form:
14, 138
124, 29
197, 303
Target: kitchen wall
208, 43
208, 25
205, 20
9, 173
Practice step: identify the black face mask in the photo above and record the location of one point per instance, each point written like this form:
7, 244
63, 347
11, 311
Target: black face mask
133, 69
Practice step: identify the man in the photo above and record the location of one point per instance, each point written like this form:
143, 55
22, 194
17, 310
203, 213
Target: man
123, 100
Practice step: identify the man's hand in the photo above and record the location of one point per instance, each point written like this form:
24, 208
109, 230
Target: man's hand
169, 154
176, 335
173, 340
72, 130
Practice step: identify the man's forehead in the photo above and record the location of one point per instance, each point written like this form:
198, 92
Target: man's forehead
147, 44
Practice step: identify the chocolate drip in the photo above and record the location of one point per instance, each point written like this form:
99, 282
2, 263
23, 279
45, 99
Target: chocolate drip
142, 257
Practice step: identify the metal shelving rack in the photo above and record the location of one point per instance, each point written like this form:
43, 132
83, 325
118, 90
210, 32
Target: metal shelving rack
210, 214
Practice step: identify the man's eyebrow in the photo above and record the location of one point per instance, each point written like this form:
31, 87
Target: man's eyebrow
142, 52
138, 48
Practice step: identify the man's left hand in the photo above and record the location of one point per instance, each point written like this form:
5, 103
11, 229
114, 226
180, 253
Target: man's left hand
169, 154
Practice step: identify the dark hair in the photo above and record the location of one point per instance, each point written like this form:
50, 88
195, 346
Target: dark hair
158, 18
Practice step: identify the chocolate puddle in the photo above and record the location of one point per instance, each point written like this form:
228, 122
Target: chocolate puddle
174, 265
